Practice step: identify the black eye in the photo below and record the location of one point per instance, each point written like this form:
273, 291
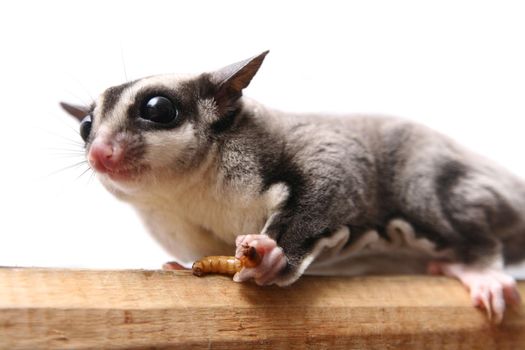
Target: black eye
159, 109
85, 127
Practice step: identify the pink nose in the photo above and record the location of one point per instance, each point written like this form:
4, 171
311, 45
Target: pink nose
105, 156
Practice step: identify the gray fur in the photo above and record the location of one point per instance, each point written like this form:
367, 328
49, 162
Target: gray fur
359, 172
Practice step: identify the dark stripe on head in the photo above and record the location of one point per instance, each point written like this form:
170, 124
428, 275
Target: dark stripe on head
112, 96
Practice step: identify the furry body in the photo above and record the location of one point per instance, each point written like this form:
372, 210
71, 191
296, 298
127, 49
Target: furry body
322, 194
323, 174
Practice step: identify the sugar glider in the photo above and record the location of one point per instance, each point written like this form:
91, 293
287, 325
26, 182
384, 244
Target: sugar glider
209, 170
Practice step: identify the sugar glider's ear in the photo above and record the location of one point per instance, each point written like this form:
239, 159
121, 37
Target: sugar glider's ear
231, 80
76, 111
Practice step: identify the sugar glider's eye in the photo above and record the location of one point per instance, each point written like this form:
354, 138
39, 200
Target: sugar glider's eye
159, 109
85, 127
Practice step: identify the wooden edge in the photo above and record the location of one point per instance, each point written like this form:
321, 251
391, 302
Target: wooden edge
81, 309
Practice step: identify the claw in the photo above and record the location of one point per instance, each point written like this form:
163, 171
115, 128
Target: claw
271, 257
498, 303
490, 288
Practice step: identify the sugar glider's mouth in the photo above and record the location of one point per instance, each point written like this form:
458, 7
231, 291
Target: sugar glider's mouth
123, 175
123, 171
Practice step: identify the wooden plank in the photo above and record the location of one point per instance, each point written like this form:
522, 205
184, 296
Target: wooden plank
81, 309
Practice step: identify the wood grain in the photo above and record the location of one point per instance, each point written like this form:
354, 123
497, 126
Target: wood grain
84, 309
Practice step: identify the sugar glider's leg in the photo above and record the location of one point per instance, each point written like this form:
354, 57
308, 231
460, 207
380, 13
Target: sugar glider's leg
325, 190
490, 287
273, 259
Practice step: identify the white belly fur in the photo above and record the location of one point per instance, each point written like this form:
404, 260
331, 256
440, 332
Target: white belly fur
192, 225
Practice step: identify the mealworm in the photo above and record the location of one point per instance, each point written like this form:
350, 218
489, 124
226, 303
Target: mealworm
227, 265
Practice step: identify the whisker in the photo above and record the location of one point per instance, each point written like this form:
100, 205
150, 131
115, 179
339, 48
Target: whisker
66, 146
123, 64
70, 140
75, 130
83, 87
72, 166
64, 151
58, 155
78, 98
59, 148
91, 177
84, 172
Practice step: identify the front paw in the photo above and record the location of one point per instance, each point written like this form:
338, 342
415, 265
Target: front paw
272, 263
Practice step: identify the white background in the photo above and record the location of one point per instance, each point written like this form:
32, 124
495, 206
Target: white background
458, 66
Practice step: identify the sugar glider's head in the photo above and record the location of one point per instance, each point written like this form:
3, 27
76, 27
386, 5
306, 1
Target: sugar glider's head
141, 131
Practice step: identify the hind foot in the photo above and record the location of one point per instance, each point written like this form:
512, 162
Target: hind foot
490, 287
